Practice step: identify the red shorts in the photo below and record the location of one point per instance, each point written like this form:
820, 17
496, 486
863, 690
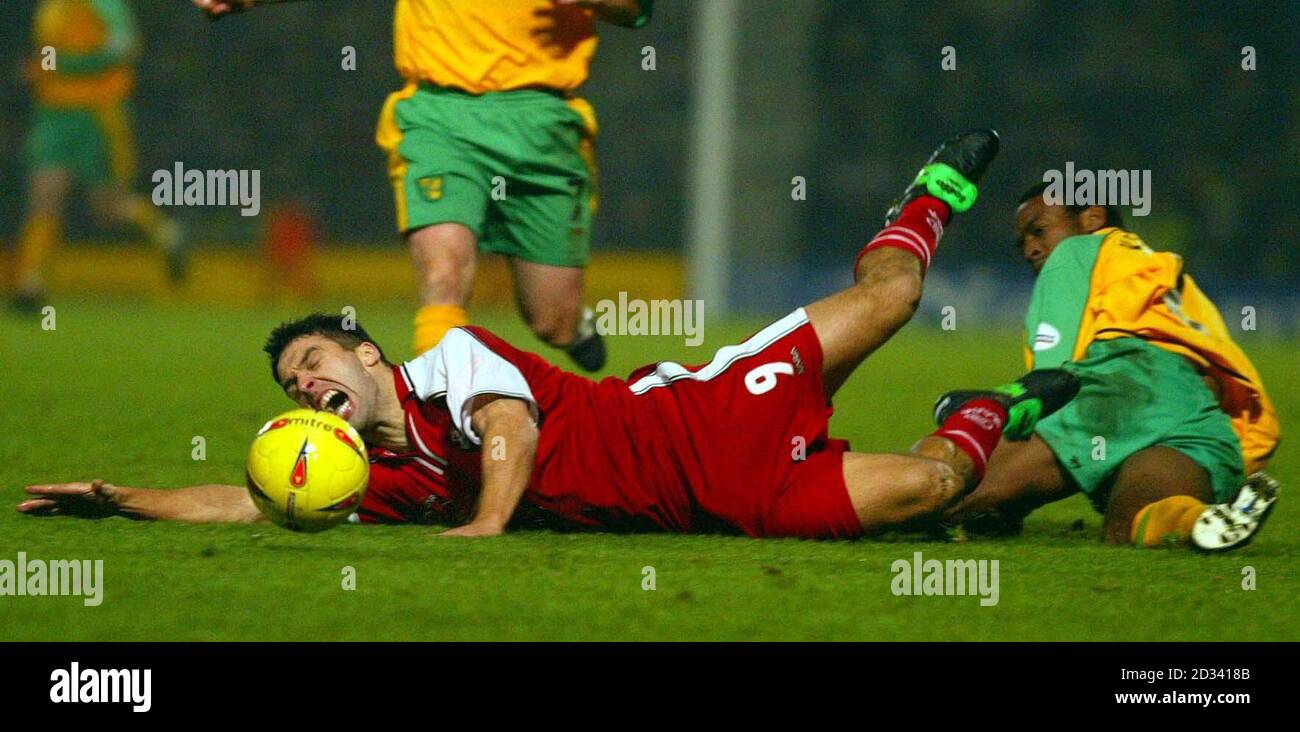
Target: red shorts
753, 440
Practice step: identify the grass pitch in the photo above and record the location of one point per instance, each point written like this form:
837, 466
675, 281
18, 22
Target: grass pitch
121, 390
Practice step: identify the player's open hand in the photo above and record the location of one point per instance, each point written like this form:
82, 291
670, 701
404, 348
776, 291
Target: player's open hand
95, 499
218, 8
476, 528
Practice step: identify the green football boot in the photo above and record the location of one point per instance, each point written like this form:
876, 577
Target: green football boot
1028, 399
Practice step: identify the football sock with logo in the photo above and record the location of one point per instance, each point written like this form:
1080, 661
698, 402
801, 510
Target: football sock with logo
917, 230
1167, 521
432, 323
975, 429
36, 243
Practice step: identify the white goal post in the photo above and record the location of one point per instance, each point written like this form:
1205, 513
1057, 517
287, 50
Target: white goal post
712, 153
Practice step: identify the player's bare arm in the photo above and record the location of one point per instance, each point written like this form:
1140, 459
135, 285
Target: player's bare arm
509, 445
615, 12
98, 499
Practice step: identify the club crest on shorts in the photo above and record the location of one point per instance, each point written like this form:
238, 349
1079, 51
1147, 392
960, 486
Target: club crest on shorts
430, 187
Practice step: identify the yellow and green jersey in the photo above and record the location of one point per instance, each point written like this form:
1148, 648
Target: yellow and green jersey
481, 46
95, 44
1110, 285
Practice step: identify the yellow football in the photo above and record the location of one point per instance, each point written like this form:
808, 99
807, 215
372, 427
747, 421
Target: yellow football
307, 470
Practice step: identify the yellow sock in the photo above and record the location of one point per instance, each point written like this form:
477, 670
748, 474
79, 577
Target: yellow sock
39, 236
432, 323
1166, 521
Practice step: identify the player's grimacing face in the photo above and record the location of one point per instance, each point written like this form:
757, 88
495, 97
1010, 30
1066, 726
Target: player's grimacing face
1039, 228
319, 373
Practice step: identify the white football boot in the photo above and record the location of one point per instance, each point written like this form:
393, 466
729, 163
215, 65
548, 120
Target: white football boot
1231, 525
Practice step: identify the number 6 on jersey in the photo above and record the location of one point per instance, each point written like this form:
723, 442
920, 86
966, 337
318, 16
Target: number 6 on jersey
762, 379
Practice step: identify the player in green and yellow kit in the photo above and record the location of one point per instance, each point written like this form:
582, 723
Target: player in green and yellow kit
81, 78
489, 149
1171, 415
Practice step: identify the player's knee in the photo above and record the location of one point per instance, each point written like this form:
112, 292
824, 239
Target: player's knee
438, 269
441, 266
905, 287
932, 487
557, 326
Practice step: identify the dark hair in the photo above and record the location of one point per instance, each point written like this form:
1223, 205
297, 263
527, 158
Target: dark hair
1113, 215
321, 324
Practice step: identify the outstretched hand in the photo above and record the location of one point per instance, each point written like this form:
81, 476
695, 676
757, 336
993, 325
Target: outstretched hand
95, 499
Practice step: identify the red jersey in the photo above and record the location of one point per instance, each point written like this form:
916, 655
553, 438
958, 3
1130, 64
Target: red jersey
676, 448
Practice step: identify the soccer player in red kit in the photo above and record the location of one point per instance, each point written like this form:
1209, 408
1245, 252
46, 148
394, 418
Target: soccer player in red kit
482, 435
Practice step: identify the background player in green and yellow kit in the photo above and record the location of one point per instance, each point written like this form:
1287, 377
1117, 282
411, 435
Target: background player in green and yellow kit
81, 78
1171, 415
490, 150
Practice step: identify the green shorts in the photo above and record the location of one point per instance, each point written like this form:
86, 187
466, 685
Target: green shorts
515, 167
1134, 396
95, 145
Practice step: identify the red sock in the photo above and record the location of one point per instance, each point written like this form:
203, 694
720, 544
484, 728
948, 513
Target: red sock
917, 230
975, 429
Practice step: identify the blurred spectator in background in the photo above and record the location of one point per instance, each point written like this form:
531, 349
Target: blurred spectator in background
289, 250
81, 77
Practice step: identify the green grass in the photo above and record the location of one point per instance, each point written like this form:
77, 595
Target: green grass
119, 391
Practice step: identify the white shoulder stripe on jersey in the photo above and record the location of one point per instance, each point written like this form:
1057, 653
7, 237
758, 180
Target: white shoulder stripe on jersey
667, 372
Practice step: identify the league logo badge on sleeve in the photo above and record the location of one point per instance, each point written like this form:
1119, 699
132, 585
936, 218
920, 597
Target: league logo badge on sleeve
1047, 337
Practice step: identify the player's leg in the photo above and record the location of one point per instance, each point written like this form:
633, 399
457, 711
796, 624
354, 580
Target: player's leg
55, 155
543, 223
887, 491
115, 203
893, 491
1170, 490
1189, 489
944, 466
47, 193
550, 299
883, 492
543, 230
441, 194
1168, 496
445, 257
1022, 476
844, 495
852, 323
113, 200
